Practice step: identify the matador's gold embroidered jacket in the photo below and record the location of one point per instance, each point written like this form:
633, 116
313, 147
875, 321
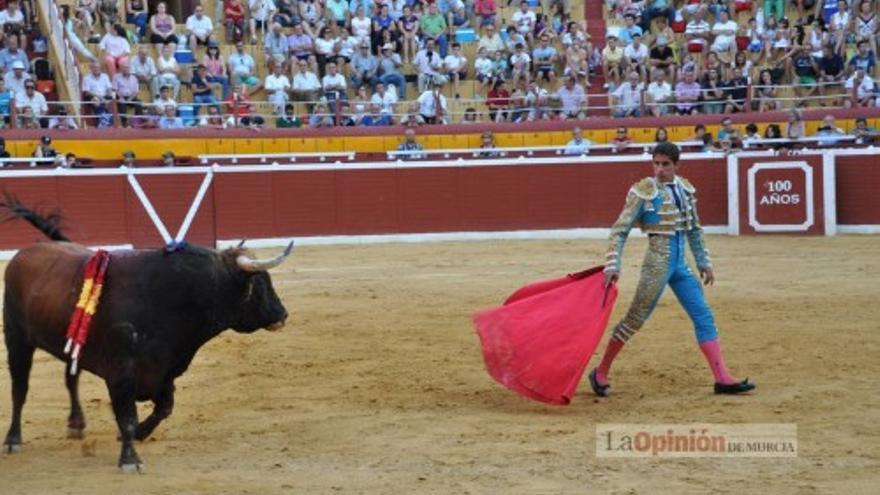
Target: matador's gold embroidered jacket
651, 206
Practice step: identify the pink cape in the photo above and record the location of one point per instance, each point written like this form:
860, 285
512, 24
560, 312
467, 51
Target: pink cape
539, 342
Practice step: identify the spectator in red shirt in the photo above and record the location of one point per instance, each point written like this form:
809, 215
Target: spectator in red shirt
241, 108
498, 101
485, 10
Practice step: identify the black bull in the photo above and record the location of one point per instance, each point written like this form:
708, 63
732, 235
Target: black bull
156, 310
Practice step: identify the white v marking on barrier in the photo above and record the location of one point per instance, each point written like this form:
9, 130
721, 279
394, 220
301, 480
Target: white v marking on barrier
154, 215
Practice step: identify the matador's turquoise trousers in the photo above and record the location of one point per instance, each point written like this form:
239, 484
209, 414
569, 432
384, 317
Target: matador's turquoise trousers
665, 263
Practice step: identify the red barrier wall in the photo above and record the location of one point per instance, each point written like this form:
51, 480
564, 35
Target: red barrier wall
858, 183
105, 210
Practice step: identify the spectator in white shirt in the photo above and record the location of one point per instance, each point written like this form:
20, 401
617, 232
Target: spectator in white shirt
578, 145
143, 66
524, 20
428, 106
573, 100
169, 71
636, 55
96, 88
385, 99
628, 97
33, 99
16, 78
164, 100
334, 86
697, 32
277, 85
12, 22
456, 67
724, 31
261, 11
116, 48
199, 28
519, 64
242, 68
430, 66
659, 94
306, 86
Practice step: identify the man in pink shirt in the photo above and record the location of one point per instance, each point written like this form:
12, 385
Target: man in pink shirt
125, 85
687, 94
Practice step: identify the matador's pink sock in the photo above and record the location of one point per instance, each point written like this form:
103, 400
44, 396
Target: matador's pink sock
614, 346
712, 351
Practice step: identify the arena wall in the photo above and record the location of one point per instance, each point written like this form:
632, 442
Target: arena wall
101, 207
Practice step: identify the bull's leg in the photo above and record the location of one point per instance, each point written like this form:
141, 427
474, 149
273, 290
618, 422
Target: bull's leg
76, 422
21, 357
163, 404
122, 394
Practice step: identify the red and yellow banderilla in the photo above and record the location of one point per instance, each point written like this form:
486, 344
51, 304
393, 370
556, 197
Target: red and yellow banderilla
86, 306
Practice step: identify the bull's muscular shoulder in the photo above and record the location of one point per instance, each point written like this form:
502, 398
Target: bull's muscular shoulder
686, 185
645, 189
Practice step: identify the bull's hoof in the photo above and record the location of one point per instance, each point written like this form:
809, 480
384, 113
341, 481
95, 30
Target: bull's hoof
76, 433
133, 468
12, 448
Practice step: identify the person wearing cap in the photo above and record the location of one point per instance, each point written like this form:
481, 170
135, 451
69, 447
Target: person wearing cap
662, 57
363, 67
275, 44
168, 159
44, 148
12, 53
127, 159
33, 101
388, 70
16, 77
199, 28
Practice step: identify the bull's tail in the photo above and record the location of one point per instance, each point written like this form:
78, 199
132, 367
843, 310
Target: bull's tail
47, 223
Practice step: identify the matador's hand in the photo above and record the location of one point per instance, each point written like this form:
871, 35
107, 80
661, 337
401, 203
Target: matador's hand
707, 275
611, 278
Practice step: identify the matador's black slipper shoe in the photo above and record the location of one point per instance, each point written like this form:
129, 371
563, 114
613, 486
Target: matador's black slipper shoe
734, 388
598, 388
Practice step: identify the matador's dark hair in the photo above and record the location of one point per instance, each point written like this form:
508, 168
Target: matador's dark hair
668, 149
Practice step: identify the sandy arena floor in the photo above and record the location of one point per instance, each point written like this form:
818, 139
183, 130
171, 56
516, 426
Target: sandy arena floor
377, 383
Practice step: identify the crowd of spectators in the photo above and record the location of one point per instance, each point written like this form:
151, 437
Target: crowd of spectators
688, 57
322, 63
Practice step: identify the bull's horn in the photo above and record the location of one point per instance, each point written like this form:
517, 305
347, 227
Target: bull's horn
250, 265
241, 244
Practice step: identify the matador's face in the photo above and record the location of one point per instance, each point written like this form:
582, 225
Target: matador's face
664, 168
